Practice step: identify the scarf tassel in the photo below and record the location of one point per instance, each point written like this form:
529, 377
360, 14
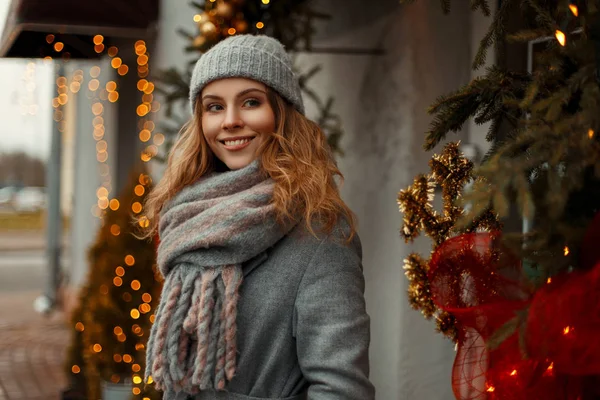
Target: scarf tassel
192, 344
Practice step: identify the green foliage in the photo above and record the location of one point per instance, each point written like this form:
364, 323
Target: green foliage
113, 318
548, 164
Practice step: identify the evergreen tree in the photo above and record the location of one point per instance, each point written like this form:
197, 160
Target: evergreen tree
531, 299
115, 312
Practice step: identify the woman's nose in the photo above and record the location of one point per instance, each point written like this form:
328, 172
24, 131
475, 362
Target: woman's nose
232, 119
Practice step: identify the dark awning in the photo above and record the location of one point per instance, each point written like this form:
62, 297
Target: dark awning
74, 23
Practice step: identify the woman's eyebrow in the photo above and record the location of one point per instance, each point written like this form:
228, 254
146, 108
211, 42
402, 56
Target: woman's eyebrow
240, 94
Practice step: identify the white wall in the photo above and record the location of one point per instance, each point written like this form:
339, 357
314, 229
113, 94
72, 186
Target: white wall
382, 101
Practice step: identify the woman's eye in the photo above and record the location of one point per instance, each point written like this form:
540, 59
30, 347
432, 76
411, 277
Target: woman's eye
251, 103
213, 107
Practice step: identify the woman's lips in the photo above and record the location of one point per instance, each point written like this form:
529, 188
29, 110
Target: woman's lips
237, 147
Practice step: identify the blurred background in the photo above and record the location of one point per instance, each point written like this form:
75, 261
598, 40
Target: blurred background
92, 94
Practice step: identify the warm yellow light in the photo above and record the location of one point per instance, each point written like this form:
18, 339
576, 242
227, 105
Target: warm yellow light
260, 25
102, 157
146, 298
127, 358
265, 1
75, 369
139, 190
117, 358
118, 330
114, 204
142, 85
491, 389
566, 251
97, 108
591, 133
58, 46
197, 18
149, 88
150, 380
129, 260
123, 69
93, 85
136, 207
103, 201
560, 36
145, 308
549, 280
116, 62
102, 192
75, 86
98, 39
142, 60
97, 348
135, 284
152, 317
95, 71
139, 346
137, 380
513, 373
117, 281
136, 368
62, 99
142, 110
158, 139
136, 390
144, 222
111, 86
120, 271
135, 314
140, 49
121, 338
115, 230
79, 327
144, 136
101, 147
113, 97
231, 31
574, 9
99, 48
55, 102
568, 329
49, 38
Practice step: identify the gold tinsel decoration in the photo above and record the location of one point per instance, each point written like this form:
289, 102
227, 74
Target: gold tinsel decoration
450, 171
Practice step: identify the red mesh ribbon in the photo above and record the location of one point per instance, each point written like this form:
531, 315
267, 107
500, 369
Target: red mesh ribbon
474, 280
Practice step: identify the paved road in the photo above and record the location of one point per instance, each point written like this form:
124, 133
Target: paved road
32, 346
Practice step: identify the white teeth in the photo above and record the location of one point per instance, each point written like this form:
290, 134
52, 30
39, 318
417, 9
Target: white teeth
236, 142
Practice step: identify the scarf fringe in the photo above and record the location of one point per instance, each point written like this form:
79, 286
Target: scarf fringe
192, 344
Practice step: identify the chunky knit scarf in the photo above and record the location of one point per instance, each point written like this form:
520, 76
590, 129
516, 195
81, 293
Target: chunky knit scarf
206, 232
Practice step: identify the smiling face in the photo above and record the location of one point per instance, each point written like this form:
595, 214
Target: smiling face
236, 119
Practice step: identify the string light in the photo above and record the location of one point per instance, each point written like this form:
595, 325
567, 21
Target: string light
490, 389
591, 133
566, 251
560, 36
260, 25
574, 9
129, 260
513, 373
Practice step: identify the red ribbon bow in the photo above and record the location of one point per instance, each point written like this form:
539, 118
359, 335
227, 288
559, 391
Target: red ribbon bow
552, 352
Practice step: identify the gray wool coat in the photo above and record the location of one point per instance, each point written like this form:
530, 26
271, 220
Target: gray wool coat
303, 331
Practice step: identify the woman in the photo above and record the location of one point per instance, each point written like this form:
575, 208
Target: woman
263, 294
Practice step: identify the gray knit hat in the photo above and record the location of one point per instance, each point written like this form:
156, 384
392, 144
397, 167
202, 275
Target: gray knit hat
258, 57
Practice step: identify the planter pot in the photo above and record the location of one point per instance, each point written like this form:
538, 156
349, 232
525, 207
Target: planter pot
116, 391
